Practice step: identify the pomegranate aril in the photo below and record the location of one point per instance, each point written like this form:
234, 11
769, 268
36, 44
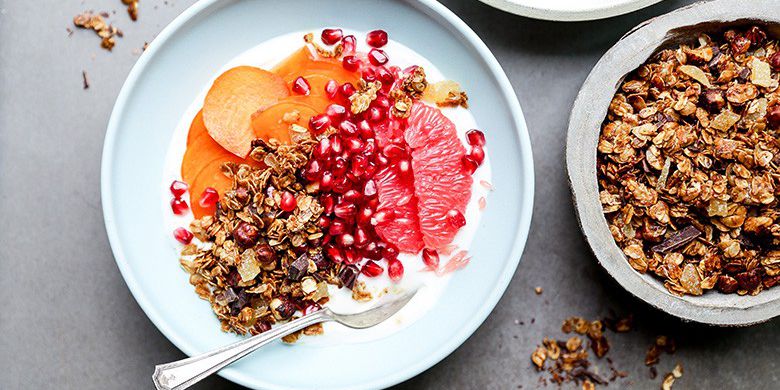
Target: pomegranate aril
209, 197
376, 38
350, 63
331, 89
430, 258
178, 188
456, 219
179, 206
377, 57
366, 132
353, 196
334, 254
345, 210
318, 123
351, 257
322, 150
390, 252
347, 89
469, 165
372, 251
368, 74
372, 269
337, 227
330, 36
477, 154
385, 77
355, 145
381, 101
288, 202
369, 188
342, 184
345, 240
182, 235
312, 308
301, 86
382, 216
339, 167
475, 137
405, 167
370, 148
348, 128
359, 164
375, 114
326, 181
323, 222
364, 216
395, 270
336, 112
313, 170
335, 144
327, 203
361, 237
349, 43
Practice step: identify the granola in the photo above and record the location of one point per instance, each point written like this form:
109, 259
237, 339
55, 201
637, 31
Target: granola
95, 22
688, 163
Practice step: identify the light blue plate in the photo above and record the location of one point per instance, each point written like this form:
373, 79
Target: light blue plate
174, 69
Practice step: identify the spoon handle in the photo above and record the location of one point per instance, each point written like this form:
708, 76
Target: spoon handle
184, 373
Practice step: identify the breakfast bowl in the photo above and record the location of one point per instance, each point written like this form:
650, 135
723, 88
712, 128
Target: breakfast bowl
696, 295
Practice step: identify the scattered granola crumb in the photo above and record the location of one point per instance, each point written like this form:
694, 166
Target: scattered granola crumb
85, 79
132, 8
671, 377
95, 22
662, 344
69, 31
360, 293
538, 290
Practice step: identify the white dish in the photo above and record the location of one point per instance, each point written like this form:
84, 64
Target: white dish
570, 10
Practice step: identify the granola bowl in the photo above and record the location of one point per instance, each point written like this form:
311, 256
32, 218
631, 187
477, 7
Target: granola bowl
677, 102
249, 250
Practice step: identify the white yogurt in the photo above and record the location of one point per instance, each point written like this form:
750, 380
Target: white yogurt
266, 55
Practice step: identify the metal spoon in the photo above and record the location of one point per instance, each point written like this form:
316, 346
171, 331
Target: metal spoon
184, 373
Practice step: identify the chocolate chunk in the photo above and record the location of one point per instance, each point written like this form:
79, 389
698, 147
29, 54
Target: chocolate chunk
347, 275
319, 260
298, 268
242, 298
679, 239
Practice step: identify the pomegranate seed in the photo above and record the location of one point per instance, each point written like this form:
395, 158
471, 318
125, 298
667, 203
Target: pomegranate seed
366, 132
336, 112
179, 206
475, 137
368, 74
364, 216
355, 145
348, 128
318, 123
182, 235
345, 240
350, 44
390, 252
347, 89
313, 170
331, 35
178, 188
393, 151
381, 101
376, 38
345, 210
382, 160
323, 148
372, 251
377, 57
395, 270
361, 237
382, 216
430, 258
456, 219
369, 189
334, 254
477, 154
373, 203
327, 203
301, 86
351, 257
375, 114
323, 222
326, 181
209, 197
359, 163
404, 166
337, 227
469, 165
331, 89
352, 196
372, 269
288, 202
350, 63
312, 308
370, 149
386, 77
339, 167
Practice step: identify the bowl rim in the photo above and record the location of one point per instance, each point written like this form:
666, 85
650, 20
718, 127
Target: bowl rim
449, 20
588, 113
598, 12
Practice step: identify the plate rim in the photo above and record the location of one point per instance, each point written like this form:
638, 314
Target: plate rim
508, 95
517, 8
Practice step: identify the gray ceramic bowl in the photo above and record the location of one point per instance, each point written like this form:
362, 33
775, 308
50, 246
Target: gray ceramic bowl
588, 113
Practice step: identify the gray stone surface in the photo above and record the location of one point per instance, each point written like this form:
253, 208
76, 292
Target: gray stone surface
68, 321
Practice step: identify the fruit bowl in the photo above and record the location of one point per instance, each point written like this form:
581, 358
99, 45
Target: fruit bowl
588, 113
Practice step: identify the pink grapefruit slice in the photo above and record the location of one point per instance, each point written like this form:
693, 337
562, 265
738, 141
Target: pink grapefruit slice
397, 194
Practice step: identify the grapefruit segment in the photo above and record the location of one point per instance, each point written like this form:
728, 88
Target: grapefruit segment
404, 229
233, 99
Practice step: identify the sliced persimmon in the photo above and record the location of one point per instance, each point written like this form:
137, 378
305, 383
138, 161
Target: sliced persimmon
233, 99
269, 123
197, 128
210, 176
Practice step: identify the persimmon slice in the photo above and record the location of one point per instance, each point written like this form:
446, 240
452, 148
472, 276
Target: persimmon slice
233, 99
